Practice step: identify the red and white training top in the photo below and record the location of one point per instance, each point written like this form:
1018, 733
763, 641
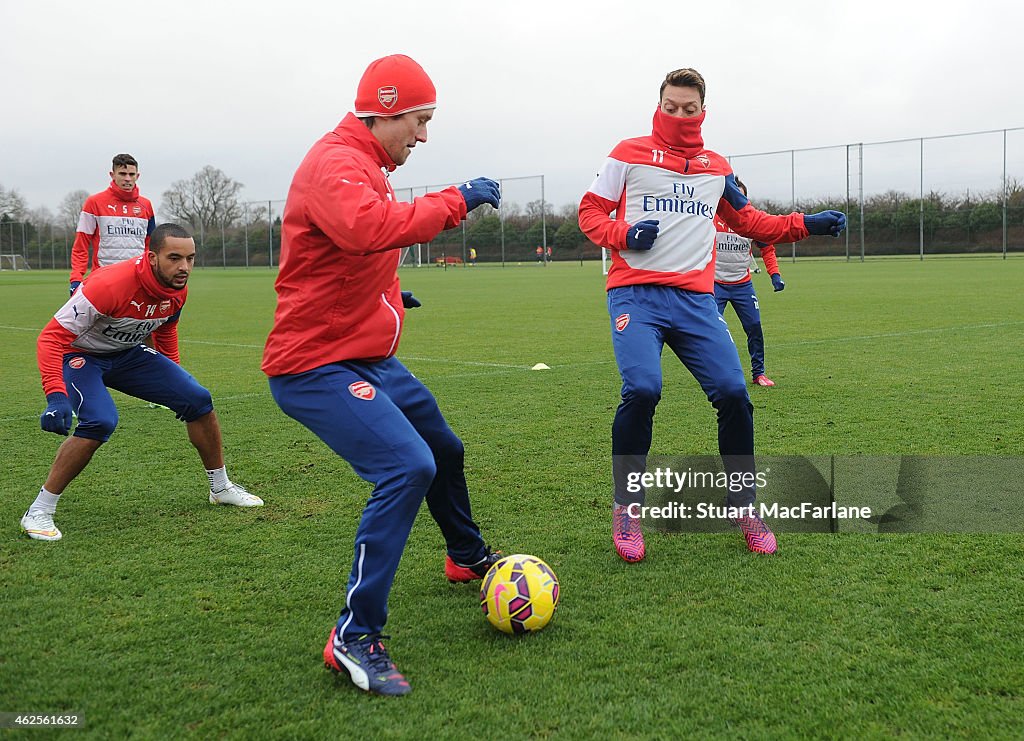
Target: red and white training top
642, 180
115, 225
115, 309
733, 255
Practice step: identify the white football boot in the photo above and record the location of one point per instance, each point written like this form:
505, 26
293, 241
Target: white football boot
236, 496
39, 526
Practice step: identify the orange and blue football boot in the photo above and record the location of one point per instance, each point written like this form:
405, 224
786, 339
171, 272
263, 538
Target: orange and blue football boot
367, 663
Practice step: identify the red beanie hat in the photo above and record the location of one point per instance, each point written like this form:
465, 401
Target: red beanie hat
392, 86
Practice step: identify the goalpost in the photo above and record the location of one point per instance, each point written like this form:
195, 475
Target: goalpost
411, 256
14, 262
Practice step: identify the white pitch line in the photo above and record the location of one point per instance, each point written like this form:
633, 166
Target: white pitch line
888, 335
220, 344
509, 366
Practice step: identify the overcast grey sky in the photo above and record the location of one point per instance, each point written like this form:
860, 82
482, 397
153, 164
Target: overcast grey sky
525, 88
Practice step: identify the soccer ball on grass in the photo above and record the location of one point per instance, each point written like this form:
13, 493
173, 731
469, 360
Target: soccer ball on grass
519, 594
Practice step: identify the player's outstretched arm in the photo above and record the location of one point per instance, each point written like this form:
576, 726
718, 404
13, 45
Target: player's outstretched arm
747, 221
355, 217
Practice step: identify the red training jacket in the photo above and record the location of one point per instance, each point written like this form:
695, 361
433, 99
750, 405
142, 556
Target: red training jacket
338, 296
115, 309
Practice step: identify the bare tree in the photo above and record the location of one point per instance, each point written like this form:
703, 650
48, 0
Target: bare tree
69, 209
206, 201
534, 209
40, 217
12, 205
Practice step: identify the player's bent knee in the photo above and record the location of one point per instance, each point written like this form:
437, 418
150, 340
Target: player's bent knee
645, 392
449, 448
419, 470
99, 429
731, 392
195, 404
100, 436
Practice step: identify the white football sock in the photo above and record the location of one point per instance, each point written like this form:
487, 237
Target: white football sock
218, 478
45, 502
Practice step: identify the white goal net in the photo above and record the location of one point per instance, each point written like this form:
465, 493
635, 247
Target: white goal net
14, 262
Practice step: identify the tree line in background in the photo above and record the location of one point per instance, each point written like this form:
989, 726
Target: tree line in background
230, 231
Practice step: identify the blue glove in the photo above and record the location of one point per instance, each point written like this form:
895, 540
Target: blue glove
479, 191
642, 234
409, 301
74, 285
57, 417
777, 283
826, 223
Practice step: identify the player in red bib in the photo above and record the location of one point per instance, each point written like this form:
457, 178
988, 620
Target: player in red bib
733, 285
114, 224
666, 190
95, 341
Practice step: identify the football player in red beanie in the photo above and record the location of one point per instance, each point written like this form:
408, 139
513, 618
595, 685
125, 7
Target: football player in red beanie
331, 358
666, 190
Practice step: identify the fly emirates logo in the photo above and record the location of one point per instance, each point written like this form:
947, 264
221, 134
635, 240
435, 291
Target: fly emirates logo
727, 242
125, 229
681, 201
129, 332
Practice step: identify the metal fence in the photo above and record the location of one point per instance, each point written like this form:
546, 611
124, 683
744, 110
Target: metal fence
952, 194
514, 232
42, 246
958, 193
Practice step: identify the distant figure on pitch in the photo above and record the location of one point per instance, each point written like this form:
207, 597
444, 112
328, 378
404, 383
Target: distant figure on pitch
666, 190
114, 224
540, 254
472, 255
95, 342
331, 358
733, 256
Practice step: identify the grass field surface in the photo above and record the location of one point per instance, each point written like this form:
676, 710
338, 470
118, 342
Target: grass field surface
159, 616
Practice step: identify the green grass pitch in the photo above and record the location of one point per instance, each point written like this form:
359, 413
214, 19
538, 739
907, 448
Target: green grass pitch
159, 616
